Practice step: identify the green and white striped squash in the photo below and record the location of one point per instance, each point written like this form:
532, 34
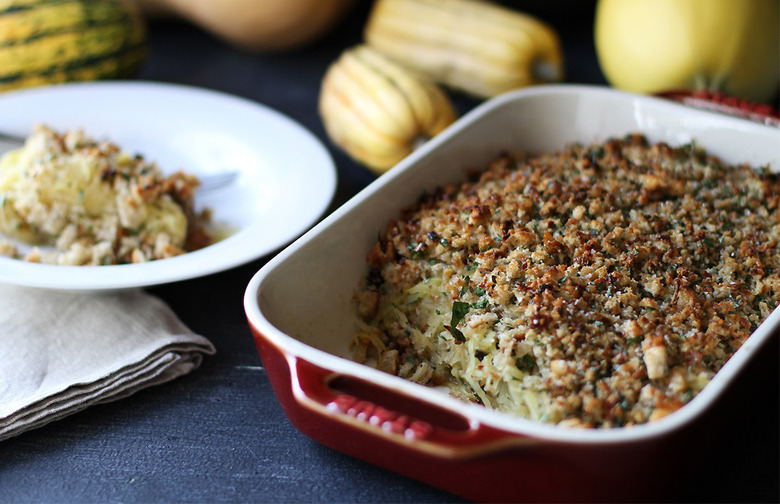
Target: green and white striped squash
55, 41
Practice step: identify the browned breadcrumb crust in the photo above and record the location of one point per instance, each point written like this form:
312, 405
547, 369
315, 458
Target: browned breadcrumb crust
619, 276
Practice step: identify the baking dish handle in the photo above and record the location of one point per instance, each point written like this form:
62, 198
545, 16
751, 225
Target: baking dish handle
381, 411
725, 104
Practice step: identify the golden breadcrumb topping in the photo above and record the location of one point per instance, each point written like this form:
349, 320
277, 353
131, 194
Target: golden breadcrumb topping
600, 286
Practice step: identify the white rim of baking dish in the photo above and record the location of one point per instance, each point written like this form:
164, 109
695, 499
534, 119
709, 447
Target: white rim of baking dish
512, 424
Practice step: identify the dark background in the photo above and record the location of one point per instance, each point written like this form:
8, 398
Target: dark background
219, 435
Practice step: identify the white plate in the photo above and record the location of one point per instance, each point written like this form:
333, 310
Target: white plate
286, 178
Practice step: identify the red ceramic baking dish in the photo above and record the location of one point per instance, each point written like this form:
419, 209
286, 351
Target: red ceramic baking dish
300, 309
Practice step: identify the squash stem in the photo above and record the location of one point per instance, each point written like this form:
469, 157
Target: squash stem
544, 71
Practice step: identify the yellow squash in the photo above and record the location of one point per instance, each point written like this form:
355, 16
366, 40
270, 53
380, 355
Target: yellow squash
378, 111
474, 46
731, 46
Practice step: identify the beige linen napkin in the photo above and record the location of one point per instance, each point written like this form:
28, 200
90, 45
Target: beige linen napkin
61, 352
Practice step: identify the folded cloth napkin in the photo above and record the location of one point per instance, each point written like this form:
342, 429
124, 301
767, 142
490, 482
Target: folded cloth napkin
61, 352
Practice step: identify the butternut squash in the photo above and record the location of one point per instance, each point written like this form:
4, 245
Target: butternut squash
256, 25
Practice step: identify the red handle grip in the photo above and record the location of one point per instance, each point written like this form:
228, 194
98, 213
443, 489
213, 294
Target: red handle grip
719, 102
417, 423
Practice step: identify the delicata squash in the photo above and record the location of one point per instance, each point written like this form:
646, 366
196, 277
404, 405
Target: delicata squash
377, 111
474, 46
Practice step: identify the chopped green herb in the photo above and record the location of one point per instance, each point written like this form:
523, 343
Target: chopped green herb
457, 334
597, 151
465, 288
482, 303
525, 363
414, 248
459, 311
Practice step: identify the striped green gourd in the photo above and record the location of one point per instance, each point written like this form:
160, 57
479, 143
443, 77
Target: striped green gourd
54, 41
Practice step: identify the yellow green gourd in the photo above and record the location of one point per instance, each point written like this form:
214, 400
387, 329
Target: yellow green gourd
55, 41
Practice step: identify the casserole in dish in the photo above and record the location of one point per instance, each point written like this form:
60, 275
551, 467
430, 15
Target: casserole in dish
301, 310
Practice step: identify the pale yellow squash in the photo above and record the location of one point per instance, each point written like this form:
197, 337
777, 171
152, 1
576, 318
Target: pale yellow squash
478, 47
650, 46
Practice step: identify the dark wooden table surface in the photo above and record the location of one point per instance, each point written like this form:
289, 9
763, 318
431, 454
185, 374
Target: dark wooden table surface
219, 435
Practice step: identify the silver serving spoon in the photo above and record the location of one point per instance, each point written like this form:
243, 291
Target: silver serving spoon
208, 182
